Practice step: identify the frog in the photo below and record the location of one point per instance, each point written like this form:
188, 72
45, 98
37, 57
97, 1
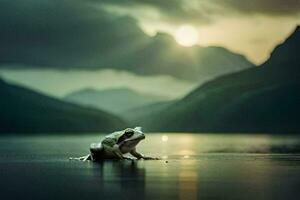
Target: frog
116, 145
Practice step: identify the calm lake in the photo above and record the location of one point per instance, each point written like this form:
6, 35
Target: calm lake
194, 166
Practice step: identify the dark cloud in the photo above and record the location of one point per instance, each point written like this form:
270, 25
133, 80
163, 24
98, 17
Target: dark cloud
173, 11
266, 7
176, 5
84, 34
61, 32
206, 11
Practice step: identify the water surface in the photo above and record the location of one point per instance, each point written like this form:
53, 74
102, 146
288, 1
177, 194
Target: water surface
194, 166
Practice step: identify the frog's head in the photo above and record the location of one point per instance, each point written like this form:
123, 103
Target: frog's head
133, 137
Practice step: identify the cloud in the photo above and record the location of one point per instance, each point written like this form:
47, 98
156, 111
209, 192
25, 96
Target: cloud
61, 32
207, 11
70, 34
170, 11
265, 7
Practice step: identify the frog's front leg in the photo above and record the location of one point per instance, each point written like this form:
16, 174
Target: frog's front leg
116, 151
136, 154
141, 156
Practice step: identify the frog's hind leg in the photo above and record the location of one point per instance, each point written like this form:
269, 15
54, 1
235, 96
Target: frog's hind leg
83, 158
96, 152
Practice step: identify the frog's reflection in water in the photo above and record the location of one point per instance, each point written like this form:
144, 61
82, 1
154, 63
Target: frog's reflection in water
125, 178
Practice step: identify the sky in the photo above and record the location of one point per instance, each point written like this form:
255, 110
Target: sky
253, 27
63, 40
56, 27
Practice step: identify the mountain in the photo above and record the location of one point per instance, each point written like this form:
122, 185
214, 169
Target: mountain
116, 101
134, 115
162, 55
262, 99
25, 111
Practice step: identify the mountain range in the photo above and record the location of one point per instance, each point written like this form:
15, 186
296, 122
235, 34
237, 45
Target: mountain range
116, 100
162, 55
26, 111
261, 99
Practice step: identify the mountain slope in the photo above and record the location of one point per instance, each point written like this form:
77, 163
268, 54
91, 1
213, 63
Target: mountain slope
116, 101
262, 99
26, 111
134, 115
162, 55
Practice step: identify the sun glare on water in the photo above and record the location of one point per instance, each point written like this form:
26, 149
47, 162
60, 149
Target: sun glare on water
164, 138
187, 35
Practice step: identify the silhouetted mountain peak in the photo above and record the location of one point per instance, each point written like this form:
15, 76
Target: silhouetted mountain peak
163, 37
85, 91
286, 54
297, 30
295, 35
114, 100
121, 90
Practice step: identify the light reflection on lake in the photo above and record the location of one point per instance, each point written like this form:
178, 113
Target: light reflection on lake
202, 166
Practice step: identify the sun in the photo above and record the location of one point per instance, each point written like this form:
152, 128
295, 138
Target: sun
186, 35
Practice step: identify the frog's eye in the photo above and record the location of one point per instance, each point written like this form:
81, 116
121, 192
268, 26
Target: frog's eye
129, 133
